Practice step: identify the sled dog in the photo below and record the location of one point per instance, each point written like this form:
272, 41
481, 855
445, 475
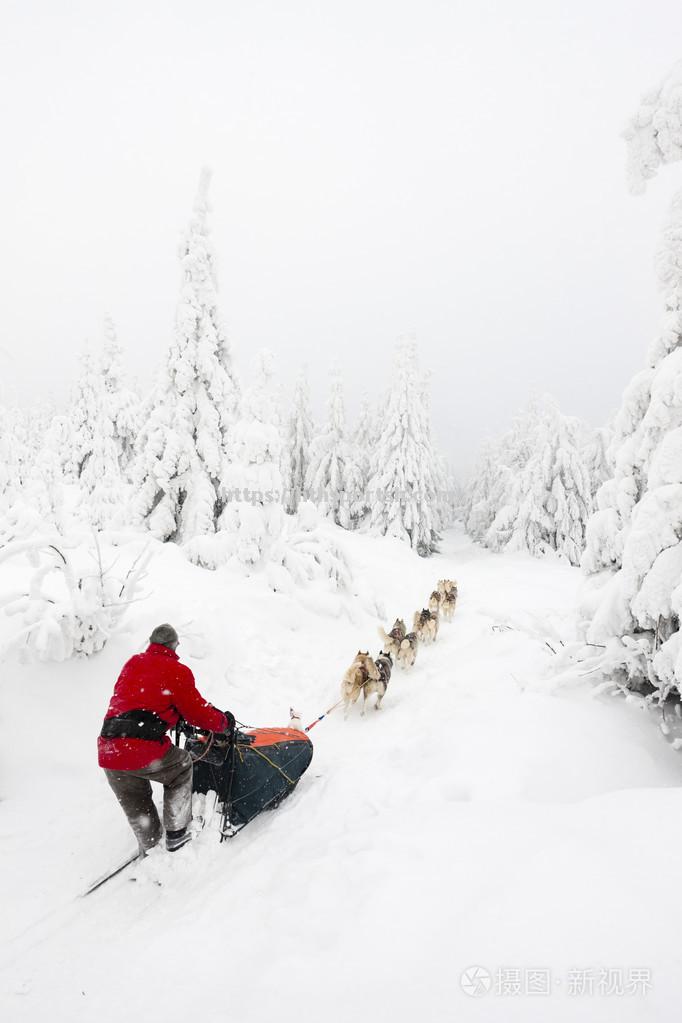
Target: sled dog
384, 663
362, 670
435, 601
391, 640
448, 604
447, 586
426, 625
407, 654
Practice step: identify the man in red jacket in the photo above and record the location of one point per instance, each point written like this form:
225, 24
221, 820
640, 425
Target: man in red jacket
153, 692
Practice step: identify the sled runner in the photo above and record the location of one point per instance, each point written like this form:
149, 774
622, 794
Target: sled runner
133, 858
253, 772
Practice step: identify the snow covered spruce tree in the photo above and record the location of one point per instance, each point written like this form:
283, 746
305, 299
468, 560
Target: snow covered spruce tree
255, 532
552, 498
636, 533
94, 454
480, 508
14, 453
123, 405
534, 489
331, 480
365, 436
402, 487
442, 475
101, 483
448, 493
297, 451
255, 489
181, 459
596, 446
491, 502
86, 407
42, 497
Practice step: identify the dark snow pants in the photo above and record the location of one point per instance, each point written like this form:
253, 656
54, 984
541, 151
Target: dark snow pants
134, 792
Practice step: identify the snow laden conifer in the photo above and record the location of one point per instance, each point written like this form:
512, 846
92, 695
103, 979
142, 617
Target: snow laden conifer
552, 497
442, 476
14, 454
101, 483
355, 505
254, 479
402, 488
480, 507
636, 532
654, 135
292, 550
182, 447
86, 408
365, 436
297, 450
449, 493
532, 489
596, 445
122, 404
491, 505
328, 480
42, 496
94, 462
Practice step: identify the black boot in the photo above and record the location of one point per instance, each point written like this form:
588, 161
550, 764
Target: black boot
176, 839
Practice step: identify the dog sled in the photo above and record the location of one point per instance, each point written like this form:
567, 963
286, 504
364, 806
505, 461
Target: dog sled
250, 771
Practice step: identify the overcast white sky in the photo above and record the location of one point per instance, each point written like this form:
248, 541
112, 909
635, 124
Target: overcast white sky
448, 169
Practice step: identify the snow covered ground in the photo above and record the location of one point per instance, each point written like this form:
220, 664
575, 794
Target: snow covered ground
486, 816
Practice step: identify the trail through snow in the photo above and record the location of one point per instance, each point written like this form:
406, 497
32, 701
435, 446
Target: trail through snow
484, 816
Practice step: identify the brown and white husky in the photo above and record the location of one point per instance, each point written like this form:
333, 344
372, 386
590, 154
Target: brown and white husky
407, 654
426, 625
384, 663
448, 604
391, 640
362, 670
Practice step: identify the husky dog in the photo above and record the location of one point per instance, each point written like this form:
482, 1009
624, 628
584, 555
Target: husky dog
448, 604
362, 670
391, 641
435, 601
384, 663
426, 625
295, 719
447, 586
407, 654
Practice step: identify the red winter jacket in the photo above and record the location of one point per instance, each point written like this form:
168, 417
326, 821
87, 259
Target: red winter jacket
156, 681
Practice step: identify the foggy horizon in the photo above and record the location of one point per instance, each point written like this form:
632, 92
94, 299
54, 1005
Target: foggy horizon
378, 171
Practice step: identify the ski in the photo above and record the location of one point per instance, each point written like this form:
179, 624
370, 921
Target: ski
112, 873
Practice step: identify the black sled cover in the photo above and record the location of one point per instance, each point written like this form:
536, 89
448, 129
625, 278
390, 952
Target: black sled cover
264, 768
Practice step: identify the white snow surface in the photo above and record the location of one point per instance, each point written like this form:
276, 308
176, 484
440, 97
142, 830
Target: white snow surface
486, 815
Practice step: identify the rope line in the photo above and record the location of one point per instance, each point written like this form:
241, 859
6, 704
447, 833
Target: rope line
254, 749
196, 760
